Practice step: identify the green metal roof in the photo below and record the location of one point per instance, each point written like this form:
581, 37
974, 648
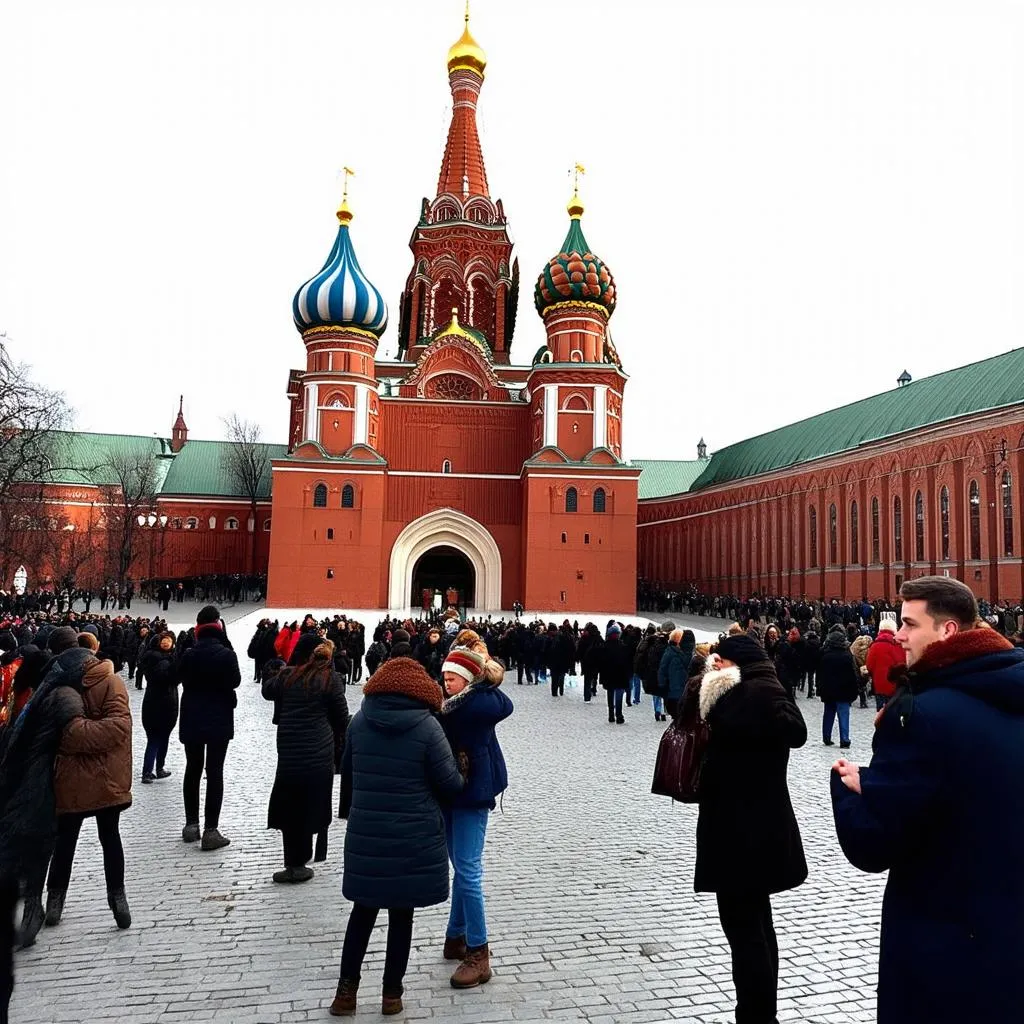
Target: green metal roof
85, 459
198, 469
661, 477
977, 387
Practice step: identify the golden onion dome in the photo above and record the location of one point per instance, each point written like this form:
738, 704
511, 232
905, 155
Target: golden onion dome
467, 54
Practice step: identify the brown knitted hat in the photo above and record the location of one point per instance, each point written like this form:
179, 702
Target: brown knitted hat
407, 677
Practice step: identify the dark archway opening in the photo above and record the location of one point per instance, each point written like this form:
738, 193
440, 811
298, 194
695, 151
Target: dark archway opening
442, 571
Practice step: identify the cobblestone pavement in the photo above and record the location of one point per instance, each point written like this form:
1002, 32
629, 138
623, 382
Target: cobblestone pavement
591, 911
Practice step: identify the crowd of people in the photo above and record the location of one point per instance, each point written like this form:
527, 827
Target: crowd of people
421, 768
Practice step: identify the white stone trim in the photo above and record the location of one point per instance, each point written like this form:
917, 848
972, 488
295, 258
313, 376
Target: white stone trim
312, 401
361, 420
550, 415
600, 415
450, 528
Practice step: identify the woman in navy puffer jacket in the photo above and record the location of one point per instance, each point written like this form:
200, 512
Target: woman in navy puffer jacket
474, 706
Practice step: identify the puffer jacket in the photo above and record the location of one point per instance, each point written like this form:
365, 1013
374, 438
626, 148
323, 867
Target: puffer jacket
468, 720
884, 655
94, 765
674, 670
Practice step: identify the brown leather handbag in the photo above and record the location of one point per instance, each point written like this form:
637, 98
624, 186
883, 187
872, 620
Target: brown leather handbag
680, 760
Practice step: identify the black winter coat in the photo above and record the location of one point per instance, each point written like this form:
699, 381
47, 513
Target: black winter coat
616, 668
311, 724
209, 675
396, 767
838, 677
560, 652
160, 701
747, 835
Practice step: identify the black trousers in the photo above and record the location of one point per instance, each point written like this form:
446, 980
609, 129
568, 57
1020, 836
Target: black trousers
213, 755
298, 848
68, 828
557, 684
671, 707
357, 938
747, 922
8, 904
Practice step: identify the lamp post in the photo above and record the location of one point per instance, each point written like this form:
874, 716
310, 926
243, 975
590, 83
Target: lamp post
995, 540
150, 521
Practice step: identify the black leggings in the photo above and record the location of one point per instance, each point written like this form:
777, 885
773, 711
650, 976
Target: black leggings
357, 938
747, 923
68, 828
298, 848
213, 754
8, 902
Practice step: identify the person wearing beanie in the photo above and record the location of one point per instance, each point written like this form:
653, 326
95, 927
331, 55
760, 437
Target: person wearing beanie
312, 716
61, 639
209, 675
647, 664
885, 655
158, 667
615, 670
396, 766
748, 840
674, 670
89, 642
838, 685
473, 708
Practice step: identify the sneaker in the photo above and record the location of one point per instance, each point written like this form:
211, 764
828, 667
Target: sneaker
190, 833
213, 840
148, 777
828, 743
163, 773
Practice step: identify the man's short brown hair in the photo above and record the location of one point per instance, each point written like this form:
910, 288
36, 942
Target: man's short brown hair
945, 598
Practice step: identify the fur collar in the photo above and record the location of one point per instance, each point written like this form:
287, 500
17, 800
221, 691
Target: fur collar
962, 646
714, 685
406, 677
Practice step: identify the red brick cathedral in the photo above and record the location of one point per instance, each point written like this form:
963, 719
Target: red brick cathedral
452, 474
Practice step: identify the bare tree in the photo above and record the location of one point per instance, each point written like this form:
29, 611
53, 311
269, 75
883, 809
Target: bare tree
131, 493
245, 464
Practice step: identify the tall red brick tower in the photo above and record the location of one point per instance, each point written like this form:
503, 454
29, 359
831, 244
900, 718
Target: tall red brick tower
579, 497
462, 254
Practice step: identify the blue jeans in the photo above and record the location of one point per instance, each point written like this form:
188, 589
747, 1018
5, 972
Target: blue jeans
880, 701
832, 710
659, 705
615, 703
635, 686
156, 753
466, 830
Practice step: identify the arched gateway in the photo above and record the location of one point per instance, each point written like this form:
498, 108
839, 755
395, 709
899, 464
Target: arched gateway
446, 528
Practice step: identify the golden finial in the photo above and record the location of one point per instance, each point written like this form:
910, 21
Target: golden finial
344, 214
575, 206
466, 54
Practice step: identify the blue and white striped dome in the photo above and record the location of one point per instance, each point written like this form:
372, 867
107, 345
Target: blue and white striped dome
340, 295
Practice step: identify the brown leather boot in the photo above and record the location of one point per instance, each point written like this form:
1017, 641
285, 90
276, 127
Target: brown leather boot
390, 1005
344, 1004
455, 949
475, 969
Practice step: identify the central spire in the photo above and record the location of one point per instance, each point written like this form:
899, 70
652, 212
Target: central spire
462, 169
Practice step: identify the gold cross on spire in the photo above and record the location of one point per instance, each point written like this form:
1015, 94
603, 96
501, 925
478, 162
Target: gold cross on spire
575, 207
576, 172
344, 213
467, 13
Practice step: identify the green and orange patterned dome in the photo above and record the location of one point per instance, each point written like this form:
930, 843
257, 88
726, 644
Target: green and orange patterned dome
575, 274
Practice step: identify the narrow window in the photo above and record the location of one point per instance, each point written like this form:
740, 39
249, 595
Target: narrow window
320, 496
897, 529
854, 534
586, 538
876, 546
191, 523
231, 523
446, 466
563, 538
918, 527
1007, 513
975, 513
944, 520
266, 526
330, 533
814, 537
833, 543
571, 500
348, 496
599, 500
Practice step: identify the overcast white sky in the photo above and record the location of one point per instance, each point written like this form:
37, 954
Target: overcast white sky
798, 199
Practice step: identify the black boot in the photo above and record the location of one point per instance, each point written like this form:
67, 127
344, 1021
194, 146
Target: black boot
31, 921
54, 906
118, 903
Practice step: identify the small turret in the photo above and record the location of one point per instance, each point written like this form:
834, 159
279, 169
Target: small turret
179, 432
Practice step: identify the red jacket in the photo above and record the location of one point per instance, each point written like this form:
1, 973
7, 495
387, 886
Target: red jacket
285, 643
883, 654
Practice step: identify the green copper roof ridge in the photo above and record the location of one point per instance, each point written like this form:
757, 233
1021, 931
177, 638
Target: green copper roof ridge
575, 241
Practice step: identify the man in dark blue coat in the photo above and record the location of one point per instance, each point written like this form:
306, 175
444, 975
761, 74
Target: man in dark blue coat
209, 676
941, 806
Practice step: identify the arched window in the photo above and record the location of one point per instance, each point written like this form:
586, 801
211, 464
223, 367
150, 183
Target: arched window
599, 500
231, 523
944, 521
876, 547
571, 500
974, 509
918, 527
854, 534
1007, 513
446, 466
897, 529
266, 526
348, 496
176, 523
814, 537
833, 542
192, 523
320, 496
